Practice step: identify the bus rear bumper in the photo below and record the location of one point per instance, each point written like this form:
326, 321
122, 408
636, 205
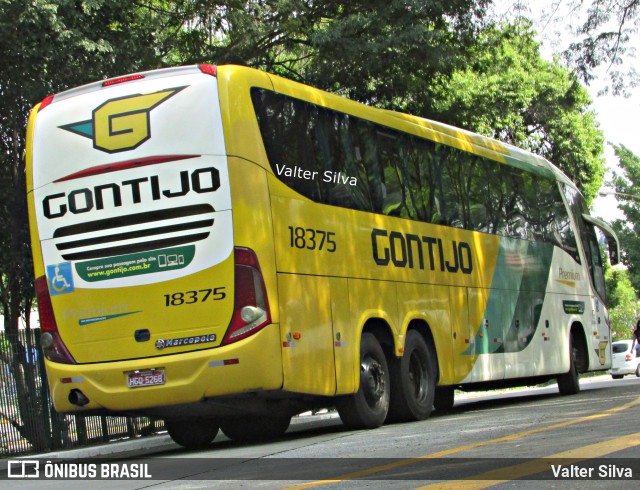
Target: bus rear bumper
251, 365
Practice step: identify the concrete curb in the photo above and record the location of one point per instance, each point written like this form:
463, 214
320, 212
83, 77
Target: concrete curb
130, 448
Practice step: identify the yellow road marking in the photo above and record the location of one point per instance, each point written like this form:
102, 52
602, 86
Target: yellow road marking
447, 452
509, 473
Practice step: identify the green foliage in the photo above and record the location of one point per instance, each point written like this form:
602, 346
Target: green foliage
387, 52
370, 50
507, 91
624, 306
627, 185
47, 46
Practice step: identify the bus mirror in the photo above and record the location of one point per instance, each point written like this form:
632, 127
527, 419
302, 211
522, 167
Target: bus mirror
612, 245
610, 236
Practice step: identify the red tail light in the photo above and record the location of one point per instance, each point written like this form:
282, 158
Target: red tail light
127, 78
52, 345
251, 308
628, 357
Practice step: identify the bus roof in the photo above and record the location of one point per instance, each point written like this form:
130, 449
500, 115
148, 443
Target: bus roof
451, 135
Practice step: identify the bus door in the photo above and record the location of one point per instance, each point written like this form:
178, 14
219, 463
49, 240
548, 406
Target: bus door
307, 336
486, 317
600, 329
462, 334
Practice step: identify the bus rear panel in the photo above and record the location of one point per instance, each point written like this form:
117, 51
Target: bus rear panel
138, 280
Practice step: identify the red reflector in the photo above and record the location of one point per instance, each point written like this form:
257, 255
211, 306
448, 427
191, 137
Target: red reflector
228, 362
209, 69
128, 78
66, 380
46, 101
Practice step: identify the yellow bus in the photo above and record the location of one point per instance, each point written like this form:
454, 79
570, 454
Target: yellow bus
224, 249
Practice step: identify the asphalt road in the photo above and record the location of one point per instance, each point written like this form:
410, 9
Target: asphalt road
526, 438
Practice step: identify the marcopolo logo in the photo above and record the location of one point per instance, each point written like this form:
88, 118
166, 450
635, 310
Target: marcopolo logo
123, 123
198, 339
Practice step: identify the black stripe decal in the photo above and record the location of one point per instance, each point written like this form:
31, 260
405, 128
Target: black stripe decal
135, 234
133, 219
136, 247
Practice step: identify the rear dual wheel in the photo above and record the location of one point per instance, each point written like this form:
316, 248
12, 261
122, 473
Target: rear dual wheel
395, 390
192, 433
413, 379
368, 407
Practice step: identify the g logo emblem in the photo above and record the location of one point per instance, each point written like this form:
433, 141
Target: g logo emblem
121, 124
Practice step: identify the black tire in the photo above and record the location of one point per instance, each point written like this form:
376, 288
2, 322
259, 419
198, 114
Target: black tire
444, 398
255, 428
368, 407
413, 380
193, 433
617, 376
569, 382
638, 371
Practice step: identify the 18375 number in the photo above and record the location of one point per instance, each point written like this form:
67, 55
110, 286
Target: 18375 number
191, 297
310, 239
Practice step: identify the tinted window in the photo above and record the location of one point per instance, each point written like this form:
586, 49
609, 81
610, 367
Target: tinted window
334, 158
618, 348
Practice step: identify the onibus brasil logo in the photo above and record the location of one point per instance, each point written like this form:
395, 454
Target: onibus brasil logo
122, 123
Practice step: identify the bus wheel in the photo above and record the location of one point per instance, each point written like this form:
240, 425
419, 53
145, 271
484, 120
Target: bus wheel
569, 382
261, 428
193, 433
412, 381
444, 398
368, 407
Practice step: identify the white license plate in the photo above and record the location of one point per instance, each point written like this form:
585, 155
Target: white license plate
152, 377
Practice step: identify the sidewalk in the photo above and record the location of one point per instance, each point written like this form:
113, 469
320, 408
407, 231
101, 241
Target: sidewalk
141, 446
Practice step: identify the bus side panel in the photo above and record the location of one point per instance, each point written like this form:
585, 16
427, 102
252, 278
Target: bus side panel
241, 134
307, 338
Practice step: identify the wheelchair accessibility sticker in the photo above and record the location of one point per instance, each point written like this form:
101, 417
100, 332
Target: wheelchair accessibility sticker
60, 278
